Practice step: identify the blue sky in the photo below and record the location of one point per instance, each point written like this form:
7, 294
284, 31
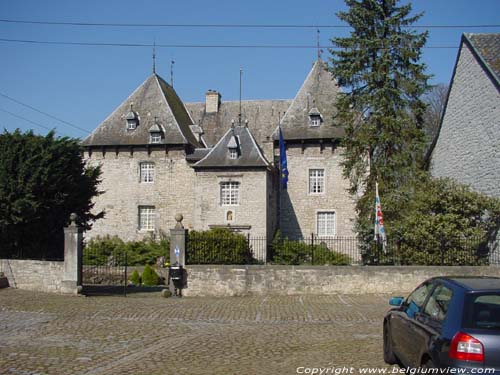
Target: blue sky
83, 84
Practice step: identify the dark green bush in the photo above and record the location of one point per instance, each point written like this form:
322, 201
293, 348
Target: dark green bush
298, 252
135, 278
149, 276
218, 246
99, 250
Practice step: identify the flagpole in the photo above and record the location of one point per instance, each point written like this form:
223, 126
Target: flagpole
279, 179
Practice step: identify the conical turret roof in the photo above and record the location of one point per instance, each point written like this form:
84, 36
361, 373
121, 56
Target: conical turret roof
154, 102
318, 96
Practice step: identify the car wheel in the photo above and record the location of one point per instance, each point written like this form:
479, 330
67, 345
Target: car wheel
389, 356
427, 363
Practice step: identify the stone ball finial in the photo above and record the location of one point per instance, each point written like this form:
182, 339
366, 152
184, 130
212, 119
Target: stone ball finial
178, 218
73, 218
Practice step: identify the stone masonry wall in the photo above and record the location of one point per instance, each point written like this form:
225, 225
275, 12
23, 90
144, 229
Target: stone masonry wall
299, 208
467, 147
34, 275
224, 281
252, 209
171, 192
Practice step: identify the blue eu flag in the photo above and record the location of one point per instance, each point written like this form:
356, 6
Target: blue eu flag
283, 163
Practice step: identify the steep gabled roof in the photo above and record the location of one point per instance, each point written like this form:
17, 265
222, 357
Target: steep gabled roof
154, 98
487, 49
319, 92
263, 116
249, 154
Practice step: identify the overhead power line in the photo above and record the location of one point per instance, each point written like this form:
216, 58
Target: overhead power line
249, 46
25, 119
45, 113
226, 26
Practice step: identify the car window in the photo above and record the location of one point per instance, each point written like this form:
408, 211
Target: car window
483, 311
416, 299
437, 305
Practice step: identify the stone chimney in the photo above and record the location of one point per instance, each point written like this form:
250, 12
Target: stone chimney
212, 101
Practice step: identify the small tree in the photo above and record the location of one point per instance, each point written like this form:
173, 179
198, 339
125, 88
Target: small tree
135, 278
149, 276
43, 179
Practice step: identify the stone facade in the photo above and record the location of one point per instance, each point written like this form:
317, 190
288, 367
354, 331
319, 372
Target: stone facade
300, 207
467, 148
253, 212
124, 193
195, 148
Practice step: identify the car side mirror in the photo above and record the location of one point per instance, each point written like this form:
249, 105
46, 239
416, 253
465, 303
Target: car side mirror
396, 301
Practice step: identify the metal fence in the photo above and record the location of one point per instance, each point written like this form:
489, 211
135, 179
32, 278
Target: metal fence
104, 269
214, 248
315, 250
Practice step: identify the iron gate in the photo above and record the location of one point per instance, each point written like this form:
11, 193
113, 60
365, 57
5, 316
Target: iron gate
104, 272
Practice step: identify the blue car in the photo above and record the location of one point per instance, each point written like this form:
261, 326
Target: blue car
446, 322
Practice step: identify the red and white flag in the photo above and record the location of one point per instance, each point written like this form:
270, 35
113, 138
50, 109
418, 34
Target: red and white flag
379, 232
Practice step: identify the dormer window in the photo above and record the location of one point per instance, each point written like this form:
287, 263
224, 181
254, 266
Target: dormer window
132, 119
315, 118
233, 153
155, 138
233, 147
156, 133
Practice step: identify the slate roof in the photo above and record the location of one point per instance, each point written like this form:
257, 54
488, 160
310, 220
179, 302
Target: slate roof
318, 92
262, 115
153, 98
249, 153
487, 47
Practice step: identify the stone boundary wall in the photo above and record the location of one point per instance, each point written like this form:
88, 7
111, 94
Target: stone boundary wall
225, 281
36, 275
222, 281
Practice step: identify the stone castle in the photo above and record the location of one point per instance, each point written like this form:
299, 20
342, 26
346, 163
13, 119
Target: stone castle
217, 163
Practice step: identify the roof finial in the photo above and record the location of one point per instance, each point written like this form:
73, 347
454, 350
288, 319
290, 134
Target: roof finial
172, 62
239, 114
318, 45
154, 56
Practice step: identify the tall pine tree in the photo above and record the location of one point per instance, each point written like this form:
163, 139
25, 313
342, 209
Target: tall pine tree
378, 66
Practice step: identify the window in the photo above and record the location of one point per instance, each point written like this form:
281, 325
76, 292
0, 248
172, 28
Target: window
482, 311
233, 153
326, 223
438, 303
131, 124
146, 218
316, 181
314, 120
416, 299
147, 172
230, 193
155, 137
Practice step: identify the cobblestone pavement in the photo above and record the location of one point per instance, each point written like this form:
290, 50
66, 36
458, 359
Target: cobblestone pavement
147, 334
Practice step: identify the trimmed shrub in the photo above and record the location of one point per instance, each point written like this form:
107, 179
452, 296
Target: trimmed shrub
99, 250
149, 276
135, 278
289, 252
218, 246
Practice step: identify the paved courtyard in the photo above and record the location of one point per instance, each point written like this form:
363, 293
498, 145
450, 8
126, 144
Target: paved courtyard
147, 334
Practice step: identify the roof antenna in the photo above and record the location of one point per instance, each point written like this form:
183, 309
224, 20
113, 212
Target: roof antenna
317, 42
239, 114
172, 62
154, 56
